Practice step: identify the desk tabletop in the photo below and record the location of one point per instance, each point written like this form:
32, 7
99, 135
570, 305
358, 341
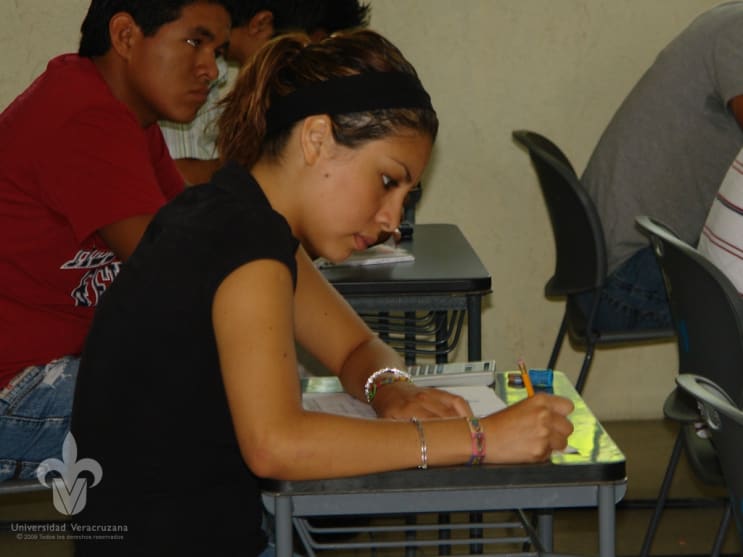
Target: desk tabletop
598, 460
444, 262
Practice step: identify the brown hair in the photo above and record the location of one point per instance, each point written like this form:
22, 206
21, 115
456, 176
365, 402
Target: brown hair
289, 63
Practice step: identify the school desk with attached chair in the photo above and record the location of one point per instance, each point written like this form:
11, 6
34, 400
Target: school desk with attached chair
592, 476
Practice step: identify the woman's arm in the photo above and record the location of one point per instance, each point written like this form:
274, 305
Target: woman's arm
332, 331
253, 317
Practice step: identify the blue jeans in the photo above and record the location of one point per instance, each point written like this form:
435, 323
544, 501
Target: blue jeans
634, 296
35, 410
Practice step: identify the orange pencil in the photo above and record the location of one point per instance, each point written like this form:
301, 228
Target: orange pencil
525, 378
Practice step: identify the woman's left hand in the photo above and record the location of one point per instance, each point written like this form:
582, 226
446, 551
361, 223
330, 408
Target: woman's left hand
402, 401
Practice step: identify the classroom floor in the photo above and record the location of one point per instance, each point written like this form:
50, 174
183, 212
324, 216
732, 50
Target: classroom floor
646, 444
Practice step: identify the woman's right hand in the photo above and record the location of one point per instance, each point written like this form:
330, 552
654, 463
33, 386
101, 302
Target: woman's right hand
528, 431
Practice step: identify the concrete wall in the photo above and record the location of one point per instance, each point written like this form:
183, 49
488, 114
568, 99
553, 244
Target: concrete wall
559, 67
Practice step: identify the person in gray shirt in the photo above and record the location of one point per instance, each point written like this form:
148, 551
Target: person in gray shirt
664, 154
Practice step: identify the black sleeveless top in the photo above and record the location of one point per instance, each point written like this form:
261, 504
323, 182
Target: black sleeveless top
150, 405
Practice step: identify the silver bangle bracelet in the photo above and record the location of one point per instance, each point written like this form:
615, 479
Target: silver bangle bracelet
424, 448
370, 387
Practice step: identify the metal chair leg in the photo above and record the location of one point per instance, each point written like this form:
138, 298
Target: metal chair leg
587, 361
662, 495
722, 530
558, 341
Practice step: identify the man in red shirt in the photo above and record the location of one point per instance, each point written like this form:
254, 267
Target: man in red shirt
83, 168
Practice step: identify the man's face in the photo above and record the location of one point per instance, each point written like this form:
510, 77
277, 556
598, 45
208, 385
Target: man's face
168, 74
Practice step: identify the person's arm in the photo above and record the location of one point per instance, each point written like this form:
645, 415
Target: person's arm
333, 332
109, 177
736, 105
197, 171
726, 56
123, 236
253, 315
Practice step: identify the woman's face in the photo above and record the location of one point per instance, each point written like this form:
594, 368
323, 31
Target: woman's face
358, 193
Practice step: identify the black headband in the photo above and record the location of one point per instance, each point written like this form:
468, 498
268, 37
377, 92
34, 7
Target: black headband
341, 95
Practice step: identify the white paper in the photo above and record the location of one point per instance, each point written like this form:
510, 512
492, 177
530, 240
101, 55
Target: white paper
481, 399
337, 403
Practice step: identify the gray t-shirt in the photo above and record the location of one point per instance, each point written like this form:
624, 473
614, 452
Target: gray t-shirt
669, 145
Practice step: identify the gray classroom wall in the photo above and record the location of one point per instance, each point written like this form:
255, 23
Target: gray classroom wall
560, 67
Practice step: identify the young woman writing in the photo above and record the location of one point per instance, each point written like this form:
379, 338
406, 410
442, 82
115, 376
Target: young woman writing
188, 391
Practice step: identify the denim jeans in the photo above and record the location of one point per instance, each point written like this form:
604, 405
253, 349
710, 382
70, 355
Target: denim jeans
35, 410
634, 296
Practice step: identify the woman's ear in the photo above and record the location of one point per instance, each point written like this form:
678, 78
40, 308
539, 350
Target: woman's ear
316, 136
124, 33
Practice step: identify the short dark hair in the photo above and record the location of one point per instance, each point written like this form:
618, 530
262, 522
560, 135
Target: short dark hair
304, 15
243, 10
336, 15
149, 15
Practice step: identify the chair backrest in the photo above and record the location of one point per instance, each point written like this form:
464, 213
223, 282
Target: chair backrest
725, 420
706, 308
579, 239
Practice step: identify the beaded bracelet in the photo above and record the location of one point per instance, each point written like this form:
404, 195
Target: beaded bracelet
422, 438
478, 441
383, 376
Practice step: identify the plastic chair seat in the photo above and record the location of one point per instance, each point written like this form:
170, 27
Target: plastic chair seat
576, 321
11, 487
724, 416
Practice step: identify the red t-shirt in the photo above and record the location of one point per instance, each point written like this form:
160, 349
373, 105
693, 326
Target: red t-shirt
72, 160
